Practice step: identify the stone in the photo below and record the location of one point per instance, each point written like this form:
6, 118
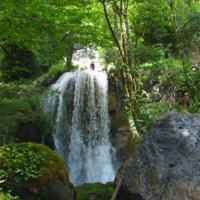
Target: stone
32, 132
95, 191
165, 165
48, 81
120, 130
120, 138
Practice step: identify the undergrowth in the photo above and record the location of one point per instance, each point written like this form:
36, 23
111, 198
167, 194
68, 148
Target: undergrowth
19, 103
9, 124
7, 196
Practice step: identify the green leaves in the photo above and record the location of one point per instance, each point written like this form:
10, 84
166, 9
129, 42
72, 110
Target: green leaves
21, 163
46, 28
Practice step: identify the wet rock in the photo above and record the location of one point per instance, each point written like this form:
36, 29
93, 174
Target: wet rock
120, 130
32, 132
120, 137
48, 81
165, 165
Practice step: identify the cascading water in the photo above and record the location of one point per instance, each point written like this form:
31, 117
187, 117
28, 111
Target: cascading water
82, 125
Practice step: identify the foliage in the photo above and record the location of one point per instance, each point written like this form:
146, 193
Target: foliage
17, 103
20, 163
7, 196
20, 89
18, 63
45, 29
9, 123
149, 112
10, 105
146, 53
35, 164
55, 69
107, 55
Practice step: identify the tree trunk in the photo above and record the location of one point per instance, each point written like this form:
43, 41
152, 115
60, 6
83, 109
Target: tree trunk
69, 58
180, 39
117, 55
125, 55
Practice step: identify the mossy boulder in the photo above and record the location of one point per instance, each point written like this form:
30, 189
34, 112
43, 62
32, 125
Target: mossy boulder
33, 171
95, 191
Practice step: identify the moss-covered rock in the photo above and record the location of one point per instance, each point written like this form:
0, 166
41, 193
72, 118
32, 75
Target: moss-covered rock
33, 171
24, 110
95, 191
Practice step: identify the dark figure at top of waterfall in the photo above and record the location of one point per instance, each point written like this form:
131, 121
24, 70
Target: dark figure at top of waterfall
92, 66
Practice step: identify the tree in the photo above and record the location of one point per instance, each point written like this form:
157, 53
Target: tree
47, 28
183, 14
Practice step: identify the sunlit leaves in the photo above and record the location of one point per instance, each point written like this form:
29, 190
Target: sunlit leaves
20, 161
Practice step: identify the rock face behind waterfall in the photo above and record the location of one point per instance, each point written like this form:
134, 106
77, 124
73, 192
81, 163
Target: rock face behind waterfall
120, 131
165, 165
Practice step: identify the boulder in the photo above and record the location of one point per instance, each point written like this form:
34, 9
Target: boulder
165, 165
33, 171
95, 191
48, 81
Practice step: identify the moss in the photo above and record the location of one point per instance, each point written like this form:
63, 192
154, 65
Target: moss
100, 190
24, 110
75, 193
54, 164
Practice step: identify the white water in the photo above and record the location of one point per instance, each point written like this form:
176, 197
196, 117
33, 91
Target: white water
82, 125
84, 57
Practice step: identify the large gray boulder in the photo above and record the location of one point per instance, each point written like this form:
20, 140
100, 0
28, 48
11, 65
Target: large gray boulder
165, 165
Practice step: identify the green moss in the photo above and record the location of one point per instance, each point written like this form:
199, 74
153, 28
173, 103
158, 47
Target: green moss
24, 110
52, 162
100, 190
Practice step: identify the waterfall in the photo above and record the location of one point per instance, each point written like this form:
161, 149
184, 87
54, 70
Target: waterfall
80, 112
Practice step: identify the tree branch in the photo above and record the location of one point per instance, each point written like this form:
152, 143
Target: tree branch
110, 27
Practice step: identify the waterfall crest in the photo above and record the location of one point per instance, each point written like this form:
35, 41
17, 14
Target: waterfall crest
81, 130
